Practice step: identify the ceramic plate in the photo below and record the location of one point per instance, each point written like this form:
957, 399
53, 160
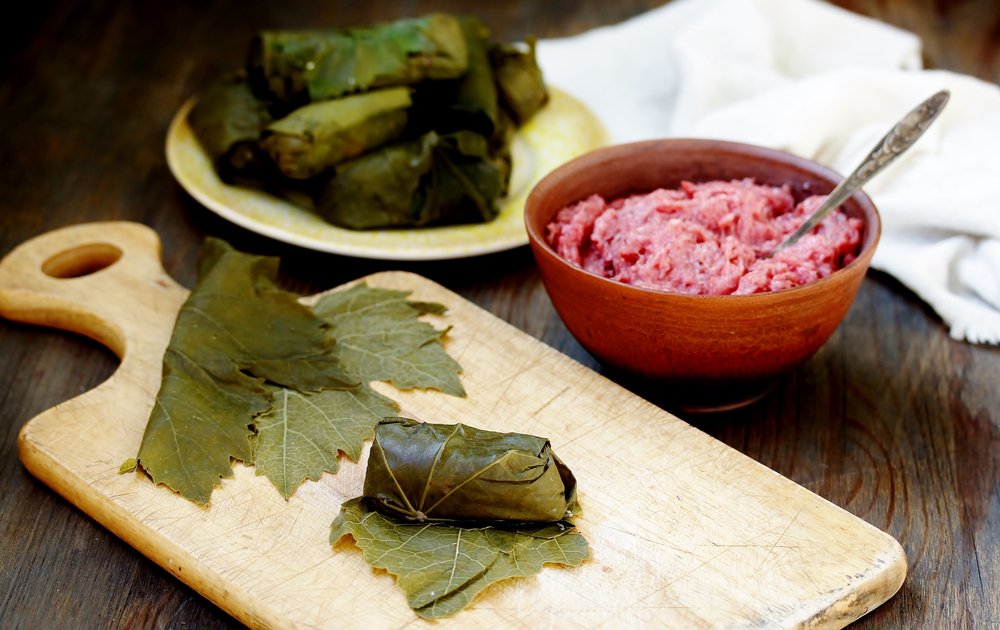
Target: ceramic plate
559, 132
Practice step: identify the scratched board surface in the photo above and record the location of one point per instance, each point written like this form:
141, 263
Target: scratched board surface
684, 531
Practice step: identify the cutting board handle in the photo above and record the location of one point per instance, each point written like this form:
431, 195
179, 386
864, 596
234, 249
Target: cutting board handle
103, 280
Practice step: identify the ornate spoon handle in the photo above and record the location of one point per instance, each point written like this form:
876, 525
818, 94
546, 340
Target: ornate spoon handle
900, 138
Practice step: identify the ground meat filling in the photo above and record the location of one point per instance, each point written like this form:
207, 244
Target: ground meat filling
704, 239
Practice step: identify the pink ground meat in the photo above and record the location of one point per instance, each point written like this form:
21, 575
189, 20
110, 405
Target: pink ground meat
704, 238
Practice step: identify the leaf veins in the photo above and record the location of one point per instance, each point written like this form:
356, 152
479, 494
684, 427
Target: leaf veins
442, 567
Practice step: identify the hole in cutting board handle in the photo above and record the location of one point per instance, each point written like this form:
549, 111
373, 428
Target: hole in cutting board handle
81, 260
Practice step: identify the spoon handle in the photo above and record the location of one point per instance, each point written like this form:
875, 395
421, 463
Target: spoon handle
900, 138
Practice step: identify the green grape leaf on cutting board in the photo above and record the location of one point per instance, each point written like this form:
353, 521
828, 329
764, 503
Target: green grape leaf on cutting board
300, 436
251, 374
380, 338
236, 336
442, 567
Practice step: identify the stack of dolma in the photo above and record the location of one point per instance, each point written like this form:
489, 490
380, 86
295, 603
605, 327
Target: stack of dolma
403, 124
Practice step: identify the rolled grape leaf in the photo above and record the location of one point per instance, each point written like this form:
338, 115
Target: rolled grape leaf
519, 79
317, 136
236, 336
475, 107
429, 181
381, 339
302, 66
228, 120
442, 567
468, 181
469, 103
380, 189
435, 472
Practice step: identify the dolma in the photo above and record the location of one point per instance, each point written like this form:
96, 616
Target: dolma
468, 103
467, 180
380, 189
317, 136
476, 106
227, 120
432, 180
301, 66
437, 472
519, 79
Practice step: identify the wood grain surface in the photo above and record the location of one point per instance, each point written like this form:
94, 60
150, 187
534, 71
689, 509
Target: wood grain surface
891, 420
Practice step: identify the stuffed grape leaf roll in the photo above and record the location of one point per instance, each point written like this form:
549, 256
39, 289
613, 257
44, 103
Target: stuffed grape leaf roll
432, 180
467, 103
320, 135
436, 472
227, 120
519, 79
302, 66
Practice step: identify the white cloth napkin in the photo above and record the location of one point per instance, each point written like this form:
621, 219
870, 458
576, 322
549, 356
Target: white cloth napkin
826, 84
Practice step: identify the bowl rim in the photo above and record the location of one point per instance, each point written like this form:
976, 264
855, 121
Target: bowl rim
602, 154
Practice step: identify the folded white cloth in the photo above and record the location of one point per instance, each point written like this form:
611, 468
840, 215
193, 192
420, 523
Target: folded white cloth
826, 84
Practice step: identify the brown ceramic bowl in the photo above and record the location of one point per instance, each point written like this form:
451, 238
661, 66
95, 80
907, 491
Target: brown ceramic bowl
703, 352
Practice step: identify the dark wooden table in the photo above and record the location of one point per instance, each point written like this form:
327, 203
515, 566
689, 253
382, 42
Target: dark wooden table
892, 419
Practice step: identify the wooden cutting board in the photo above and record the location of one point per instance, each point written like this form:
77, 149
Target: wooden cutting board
684, 530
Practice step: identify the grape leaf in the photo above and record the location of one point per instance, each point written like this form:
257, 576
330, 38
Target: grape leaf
235, 335
300, 436
252, 374
380, 338
198, 424
442, 567
238, 320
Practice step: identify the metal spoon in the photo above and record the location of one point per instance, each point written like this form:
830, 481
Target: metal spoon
900, 138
